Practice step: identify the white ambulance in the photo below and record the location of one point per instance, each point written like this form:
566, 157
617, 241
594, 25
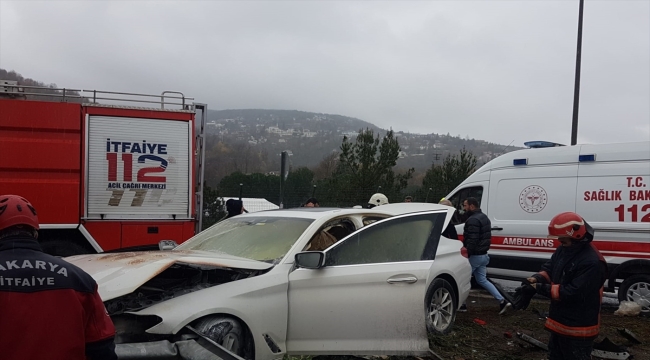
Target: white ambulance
609, 185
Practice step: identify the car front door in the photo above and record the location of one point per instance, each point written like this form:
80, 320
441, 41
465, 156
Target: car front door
369, 297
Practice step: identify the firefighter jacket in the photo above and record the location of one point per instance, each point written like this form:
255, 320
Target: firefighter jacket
49, 308
573, 279
477, 233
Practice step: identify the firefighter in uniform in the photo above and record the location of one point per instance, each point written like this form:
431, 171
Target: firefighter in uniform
573, 279
49, 308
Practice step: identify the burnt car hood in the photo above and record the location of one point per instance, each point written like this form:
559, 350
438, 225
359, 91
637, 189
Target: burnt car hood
119, 274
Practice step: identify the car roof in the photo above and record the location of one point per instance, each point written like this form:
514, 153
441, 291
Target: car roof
321, 212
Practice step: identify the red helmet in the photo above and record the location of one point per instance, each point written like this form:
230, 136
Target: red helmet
570, 224
16, 210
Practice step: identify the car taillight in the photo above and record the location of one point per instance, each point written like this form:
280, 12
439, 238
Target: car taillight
463, 251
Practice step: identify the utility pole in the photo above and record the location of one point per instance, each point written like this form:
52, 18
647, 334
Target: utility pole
283, 169
576, 91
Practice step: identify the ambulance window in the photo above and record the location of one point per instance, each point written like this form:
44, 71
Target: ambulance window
458, 198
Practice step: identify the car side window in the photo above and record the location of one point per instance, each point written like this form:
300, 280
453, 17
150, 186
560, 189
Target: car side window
329, 234
459, 197
411, 238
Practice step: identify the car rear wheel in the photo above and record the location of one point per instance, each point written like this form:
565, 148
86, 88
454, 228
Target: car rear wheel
440, 307
636, 288
225, 331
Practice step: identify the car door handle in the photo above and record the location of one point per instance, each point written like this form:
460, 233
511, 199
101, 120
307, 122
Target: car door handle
497, 228
403, 279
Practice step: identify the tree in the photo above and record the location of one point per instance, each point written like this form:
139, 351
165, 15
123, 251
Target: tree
444, 178
222, 159
298, 187
327, 166
211, 207
366, 164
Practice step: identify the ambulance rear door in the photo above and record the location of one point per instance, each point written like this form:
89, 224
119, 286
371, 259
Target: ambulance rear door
614, 196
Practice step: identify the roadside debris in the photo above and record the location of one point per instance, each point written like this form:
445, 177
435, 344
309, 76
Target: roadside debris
628, 308
533, 341
480, 322
630, 336
609, 346
600, 354
434, 355
606, 349
468, 340
542, 314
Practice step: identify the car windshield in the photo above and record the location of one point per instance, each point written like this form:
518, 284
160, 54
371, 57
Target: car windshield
257, 238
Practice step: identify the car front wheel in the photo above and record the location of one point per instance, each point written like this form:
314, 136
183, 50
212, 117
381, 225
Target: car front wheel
440, 307
225, 331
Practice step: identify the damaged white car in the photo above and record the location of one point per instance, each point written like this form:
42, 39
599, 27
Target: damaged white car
306, 281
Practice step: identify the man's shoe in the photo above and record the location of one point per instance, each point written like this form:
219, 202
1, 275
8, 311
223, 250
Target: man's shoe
463, 308
504, 305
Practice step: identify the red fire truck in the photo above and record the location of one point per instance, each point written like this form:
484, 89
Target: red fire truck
103, 174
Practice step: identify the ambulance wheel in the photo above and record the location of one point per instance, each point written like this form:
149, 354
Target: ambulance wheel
440, 307
636, 288
63, 248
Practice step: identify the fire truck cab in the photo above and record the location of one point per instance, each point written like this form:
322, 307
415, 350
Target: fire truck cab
103, 174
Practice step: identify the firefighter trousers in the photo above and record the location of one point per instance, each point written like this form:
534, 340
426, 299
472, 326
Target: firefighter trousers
565, 348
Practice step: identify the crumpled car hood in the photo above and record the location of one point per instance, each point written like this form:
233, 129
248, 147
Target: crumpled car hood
119, 274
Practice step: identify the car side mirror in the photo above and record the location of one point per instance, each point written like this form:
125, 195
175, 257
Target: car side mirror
167, 244
310, 259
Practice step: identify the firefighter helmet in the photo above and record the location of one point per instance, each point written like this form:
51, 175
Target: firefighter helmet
571, 225
378, 199
16, 210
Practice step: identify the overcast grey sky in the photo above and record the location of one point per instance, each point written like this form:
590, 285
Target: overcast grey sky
493, 70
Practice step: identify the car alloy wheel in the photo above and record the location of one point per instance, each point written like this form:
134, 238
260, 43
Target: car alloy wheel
440, 307
636, 288
640, 294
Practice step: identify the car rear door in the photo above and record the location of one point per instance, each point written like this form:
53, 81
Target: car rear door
369, 296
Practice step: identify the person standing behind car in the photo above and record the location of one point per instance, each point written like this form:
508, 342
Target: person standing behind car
477, 235
311, 202
49, 308
234, 207
377, 200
